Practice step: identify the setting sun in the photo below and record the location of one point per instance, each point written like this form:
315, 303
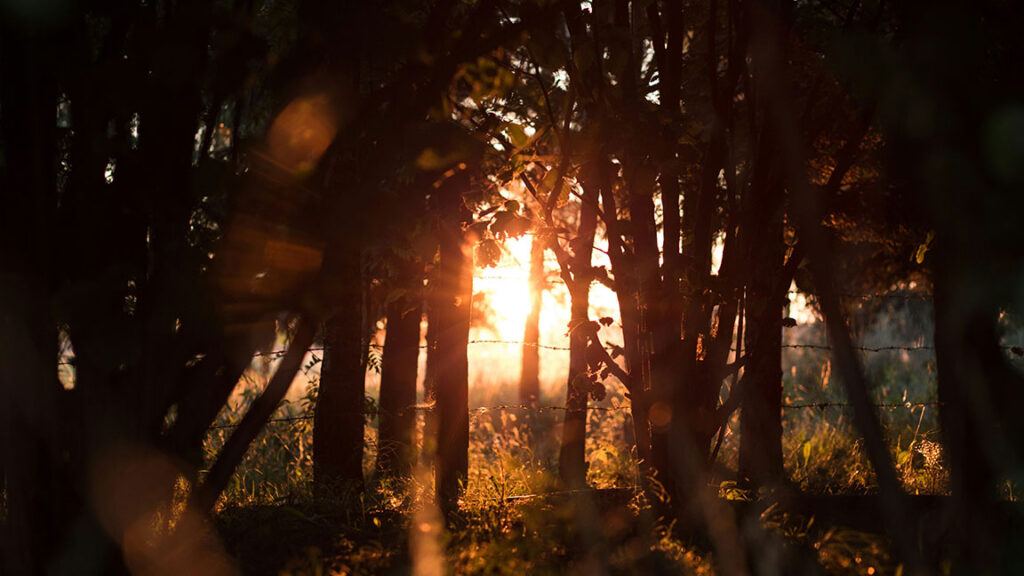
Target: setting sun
495, 352
507, 289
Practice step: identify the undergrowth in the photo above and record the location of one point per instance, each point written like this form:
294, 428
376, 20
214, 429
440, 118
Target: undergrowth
268, 519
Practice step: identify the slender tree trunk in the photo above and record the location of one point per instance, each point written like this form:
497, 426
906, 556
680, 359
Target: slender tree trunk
626, 295
455, 295
589, 85
572, 466
395, 449
215, 377
760, 454
428, 446
339, 417
698, 383
529, 380
673, 423
205, 495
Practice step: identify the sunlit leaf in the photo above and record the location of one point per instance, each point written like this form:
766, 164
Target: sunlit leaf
517, 135
488, 253
922, 249
550, 180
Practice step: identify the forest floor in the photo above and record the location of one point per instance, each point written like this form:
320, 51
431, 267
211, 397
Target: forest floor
587, 532
268, 523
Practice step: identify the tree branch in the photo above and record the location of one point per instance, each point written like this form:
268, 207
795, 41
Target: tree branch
206, 494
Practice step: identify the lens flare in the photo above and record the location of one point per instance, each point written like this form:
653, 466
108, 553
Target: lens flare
302, 132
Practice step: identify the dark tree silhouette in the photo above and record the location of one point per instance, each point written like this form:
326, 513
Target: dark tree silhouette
572, 469
454, 297
399, 367
338, 431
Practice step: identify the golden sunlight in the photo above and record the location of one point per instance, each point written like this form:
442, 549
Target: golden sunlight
507, 289
495, 352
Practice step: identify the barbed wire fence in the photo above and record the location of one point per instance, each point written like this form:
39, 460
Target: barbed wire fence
498, 430
1016, 350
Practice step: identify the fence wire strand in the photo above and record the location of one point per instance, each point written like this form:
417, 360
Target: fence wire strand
479, 410
1016, 350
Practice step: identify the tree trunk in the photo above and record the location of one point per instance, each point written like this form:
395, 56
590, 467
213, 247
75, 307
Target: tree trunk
204, 496
625, 292
529, 380
28, 341
395, 449
572, 466
339, 416
760, 453
428, 445
455, 296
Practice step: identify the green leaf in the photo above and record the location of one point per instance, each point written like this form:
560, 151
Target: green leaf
902, 457
550, 180
517, 135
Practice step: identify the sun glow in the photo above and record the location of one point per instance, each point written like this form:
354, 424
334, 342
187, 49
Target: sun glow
506, 290
496, 355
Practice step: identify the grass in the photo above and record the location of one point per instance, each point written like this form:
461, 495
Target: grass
269, 523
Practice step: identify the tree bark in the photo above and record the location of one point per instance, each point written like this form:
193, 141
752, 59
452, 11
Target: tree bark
572, 466
455, 296
625, 292
760, 453
339, 414
399, 367
428, 445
